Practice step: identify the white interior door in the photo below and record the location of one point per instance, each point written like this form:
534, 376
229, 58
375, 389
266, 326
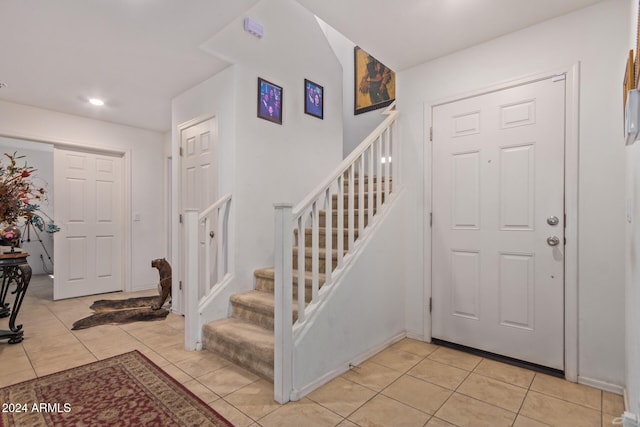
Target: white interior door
200, 184
88, 208
498, 222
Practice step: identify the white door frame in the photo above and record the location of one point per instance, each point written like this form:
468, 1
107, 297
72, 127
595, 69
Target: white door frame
126, 183
572, 90
177, 304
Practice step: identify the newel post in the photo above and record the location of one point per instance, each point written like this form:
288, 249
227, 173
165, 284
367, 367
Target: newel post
190, 293
283, 329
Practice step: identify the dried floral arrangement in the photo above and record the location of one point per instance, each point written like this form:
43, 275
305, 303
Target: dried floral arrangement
19, 197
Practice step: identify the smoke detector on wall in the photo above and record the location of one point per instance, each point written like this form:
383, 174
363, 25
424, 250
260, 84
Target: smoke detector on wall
253, 27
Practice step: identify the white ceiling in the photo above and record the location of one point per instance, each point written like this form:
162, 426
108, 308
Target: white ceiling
138, 54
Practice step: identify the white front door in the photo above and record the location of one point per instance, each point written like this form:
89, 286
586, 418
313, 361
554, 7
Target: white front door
498, 222
88, 208
200, 184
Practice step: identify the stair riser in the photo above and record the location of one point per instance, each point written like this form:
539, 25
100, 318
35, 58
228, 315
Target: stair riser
356, 200
258, 317
322, 238
268, 285
264, 320
235, 352
308, 261
246, 339
334, 219
265, 285
356, 187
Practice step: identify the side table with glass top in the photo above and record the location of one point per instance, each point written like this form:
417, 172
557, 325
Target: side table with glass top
14, 270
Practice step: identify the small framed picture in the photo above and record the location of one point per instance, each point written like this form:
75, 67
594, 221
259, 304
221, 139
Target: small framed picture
313, 99
269, 101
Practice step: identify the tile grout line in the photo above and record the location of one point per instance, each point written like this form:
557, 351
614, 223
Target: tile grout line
377, 393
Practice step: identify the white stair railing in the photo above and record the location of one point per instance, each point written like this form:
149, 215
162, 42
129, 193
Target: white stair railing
366, 179
205, 265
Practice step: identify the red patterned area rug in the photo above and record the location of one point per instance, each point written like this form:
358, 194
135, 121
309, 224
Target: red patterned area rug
125, 390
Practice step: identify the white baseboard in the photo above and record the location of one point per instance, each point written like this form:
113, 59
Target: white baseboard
297, 394
601, 385
415, 336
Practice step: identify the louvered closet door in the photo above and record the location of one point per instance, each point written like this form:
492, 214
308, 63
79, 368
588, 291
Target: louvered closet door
498, 222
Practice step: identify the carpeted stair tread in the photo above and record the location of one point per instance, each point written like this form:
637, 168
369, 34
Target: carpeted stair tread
322, 252
265, 281
247, 337
256, 300
238, 330
322, 231
346, 212
242, 342
322, 235
356, 198
366, 178
270, 272
365, 181
322, 258
260, 301
258, 307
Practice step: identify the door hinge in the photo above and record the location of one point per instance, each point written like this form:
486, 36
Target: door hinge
431, 133
180, 218
181, 151
430, 304
180, 284
430, 219
559, 77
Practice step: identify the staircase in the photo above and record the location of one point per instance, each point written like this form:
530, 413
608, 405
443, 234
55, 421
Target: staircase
247, 337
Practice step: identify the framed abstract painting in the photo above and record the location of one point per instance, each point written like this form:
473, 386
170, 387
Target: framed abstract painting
375, 83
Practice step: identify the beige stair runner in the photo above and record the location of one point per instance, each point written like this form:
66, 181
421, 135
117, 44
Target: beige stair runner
246, 338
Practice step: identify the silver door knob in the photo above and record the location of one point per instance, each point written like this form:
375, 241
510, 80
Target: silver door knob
553, 241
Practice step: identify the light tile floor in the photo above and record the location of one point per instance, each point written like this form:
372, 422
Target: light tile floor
410, 383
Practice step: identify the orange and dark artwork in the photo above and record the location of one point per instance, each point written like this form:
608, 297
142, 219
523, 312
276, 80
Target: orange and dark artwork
375, 83
629, 81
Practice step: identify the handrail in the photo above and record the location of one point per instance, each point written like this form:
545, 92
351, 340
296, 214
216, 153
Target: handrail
392, 114
198, 278
215, 205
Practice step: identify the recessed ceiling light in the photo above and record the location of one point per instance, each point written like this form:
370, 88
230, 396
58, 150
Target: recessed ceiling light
96, 101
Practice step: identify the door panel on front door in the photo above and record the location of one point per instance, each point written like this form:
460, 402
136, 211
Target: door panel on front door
498, 175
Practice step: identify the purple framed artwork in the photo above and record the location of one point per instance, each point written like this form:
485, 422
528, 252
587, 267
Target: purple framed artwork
269, 101
313, 99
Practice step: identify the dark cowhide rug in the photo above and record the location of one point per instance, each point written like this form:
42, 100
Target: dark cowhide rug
121, 311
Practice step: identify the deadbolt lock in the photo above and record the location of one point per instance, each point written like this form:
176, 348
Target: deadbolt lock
553, 220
